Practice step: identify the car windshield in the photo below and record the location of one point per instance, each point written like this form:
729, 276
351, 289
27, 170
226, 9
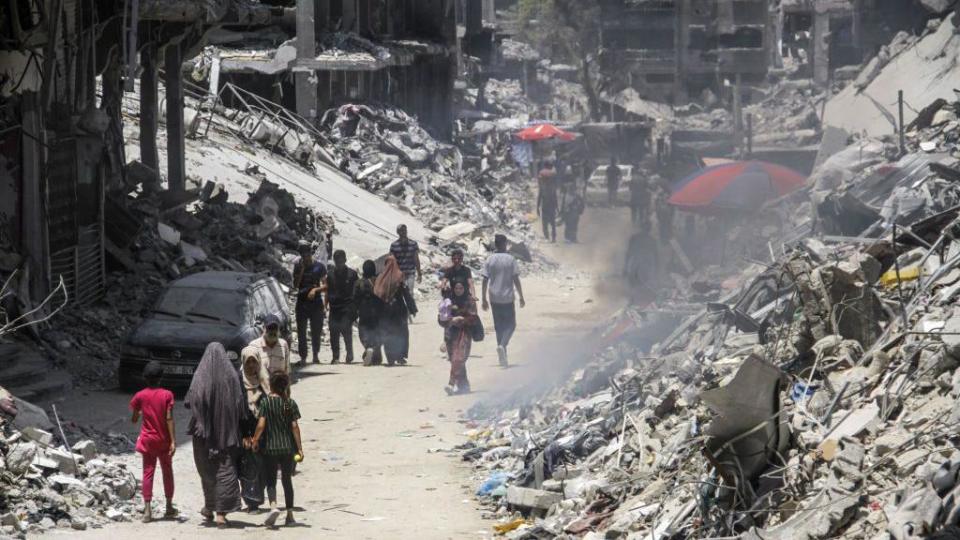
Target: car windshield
192, 303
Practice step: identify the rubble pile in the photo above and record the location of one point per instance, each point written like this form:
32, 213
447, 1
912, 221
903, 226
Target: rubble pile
44, 485
388, 153
815, 398
259, 236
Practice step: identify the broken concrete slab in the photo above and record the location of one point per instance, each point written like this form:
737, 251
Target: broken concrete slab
37, 435
20, 456
87, 449
537, 499
855, 423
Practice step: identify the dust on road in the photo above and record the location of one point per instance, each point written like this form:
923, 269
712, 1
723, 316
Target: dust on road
375, 437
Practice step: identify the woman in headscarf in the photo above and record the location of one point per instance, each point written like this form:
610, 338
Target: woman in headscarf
217, 407
369, 307
256, 385
398, 306
458, 335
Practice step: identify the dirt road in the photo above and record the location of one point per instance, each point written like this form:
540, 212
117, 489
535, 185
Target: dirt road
375, 437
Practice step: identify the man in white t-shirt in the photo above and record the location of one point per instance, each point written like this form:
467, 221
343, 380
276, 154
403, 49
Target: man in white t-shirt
500, 276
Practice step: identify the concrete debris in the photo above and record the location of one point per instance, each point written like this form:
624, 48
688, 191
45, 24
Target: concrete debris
42, 487
387, 152
260, 235
812, 397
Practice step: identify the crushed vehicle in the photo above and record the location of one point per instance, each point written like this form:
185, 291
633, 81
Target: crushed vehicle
226, 307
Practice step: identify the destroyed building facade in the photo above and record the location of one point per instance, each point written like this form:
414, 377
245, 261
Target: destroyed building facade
402, 53
678, 47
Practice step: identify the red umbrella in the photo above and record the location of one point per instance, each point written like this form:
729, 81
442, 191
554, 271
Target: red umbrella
543, 132
741, 185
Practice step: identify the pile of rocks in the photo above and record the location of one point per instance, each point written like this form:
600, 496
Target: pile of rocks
388, 153
258, 236
815, 397
45, 485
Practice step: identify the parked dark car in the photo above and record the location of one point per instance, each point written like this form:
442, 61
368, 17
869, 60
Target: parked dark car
227, 307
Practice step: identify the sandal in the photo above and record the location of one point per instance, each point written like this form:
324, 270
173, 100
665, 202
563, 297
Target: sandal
207, 515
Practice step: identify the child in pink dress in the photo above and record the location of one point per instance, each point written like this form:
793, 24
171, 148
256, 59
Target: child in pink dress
156, 441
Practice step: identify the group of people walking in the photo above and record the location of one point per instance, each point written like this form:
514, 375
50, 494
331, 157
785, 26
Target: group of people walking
559, 197
458, 314
244, 429
380, 304
244, 425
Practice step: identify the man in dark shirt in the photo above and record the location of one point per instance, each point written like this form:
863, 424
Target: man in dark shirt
407, 253
614, 176
310, 280
547, 200
456, 273
343, 311
639, 199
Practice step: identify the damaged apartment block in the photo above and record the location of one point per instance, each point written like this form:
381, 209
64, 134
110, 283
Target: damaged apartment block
679, 47
320, 54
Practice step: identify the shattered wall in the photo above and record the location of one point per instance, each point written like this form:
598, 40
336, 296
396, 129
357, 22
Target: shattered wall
668, 46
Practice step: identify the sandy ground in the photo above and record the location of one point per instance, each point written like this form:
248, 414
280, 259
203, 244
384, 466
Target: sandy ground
375, 438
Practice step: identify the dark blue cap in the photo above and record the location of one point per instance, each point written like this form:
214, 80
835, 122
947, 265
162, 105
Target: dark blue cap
271, 321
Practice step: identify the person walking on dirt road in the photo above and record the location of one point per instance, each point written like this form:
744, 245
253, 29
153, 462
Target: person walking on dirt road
218, 406
458, 332
407, 253
547, 200
614, 176
500, 276
343, 310
310, 280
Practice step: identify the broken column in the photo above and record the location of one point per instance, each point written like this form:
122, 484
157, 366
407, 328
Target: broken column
821, 46
148, 108
306, 80
176, 146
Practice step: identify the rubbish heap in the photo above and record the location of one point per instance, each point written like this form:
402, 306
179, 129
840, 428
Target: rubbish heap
171, 242
44, 485
817, 398
387, 152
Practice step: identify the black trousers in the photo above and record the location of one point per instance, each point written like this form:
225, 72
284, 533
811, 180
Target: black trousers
341, 325
285, 465
548, 216
504, 322
312, 315
396, 339
370, 338
570, 228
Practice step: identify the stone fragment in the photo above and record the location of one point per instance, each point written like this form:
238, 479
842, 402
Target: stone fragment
66, 462
38, 435
11, 520
20, 456
113, 514
87, 449
29, 414
532, 498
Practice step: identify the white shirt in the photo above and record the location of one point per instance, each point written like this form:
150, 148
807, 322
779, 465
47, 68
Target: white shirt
276, 358
500, 269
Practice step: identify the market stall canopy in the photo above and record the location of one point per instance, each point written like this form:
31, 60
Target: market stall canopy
543, 132
741, 185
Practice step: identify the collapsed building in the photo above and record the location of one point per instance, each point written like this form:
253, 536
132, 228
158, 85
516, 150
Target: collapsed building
318, 55
675, 48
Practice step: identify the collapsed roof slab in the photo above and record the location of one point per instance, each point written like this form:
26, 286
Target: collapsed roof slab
926, 71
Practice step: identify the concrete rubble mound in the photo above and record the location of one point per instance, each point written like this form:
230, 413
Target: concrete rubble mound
171, 240
45, 485
813, 396
387, 152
